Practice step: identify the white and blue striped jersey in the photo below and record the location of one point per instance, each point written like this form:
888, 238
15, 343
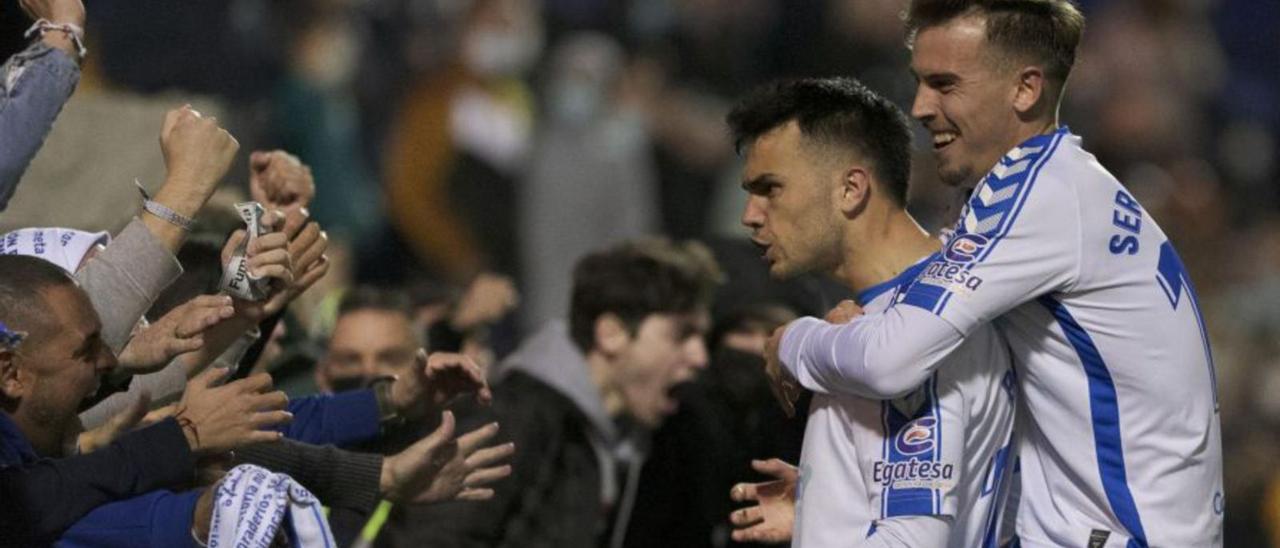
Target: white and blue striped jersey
942, 450
1121, 446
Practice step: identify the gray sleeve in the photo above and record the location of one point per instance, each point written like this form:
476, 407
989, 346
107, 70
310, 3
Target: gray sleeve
34, 84
339, 478
125, 279
910, 532
165, 385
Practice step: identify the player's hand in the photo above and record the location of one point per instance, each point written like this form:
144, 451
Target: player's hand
177, 332
785, 388
440, 468
844, 312
278, 180
771, 518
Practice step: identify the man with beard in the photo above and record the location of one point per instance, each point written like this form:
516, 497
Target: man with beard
827, 166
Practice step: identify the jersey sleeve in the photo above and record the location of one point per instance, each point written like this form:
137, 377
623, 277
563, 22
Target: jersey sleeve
917, 472
1017, 239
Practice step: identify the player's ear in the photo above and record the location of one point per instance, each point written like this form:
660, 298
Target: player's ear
854, 191
1030, 90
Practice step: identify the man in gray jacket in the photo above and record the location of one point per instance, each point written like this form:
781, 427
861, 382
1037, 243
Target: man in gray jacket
579, 401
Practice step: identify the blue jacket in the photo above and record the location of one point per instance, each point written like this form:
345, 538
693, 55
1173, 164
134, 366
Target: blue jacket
341, 419
159, 519
44, 497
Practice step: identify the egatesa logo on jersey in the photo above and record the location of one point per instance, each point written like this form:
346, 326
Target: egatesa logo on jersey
964, 248
916, 437
953, 271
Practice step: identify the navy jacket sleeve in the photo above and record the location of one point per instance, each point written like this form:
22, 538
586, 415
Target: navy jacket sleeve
160, 519
339, 419
43, 498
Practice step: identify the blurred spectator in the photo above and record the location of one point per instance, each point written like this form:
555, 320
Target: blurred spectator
592, 179
462, 139
314, 115
373, 338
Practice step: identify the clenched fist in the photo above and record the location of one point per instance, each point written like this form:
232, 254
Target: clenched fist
197, 151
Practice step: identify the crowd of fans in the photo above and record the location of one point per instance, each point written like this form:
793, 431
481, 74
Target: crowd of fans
459, 278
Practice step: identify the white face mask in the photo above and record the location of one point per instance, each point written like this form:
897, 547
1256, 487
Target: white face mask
575, 102
332, 62
501, 53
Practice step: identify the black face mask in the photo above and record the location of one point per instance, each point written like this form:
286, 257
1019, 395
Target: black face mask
343, 384
740, 375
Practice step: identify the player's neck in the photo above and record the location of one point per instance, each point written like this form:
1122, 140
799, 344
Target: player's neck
1034, 128
878, 250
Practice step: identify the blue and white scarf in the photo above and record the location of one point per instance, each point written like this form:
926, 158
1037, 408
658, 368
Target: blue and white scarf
252, 504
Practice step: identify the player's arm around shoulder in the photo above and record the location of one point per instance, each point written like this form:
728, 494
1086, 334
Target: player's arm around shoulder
1011, 245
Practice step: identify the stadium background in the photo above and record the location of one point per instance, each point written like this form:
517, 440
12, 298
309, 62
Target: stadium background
449, 136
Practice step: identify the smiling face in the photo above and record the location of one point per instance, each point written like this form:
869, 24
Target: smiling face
666, 350
965, 98
59, 366
792, 210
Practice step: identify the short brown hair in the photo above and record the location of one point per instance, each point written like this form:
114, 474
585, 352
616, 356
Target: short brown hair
1046, 30
635, 279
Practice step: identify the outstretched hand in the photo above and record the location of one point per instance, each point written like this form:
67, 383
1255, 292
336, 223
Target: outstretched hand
771, 518
179, 331
217, 419
437, 380
440, 468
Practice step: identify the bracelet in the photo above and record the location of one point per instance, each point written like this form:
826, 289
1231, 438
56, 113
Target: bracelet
163, 212
72, 31
387, 414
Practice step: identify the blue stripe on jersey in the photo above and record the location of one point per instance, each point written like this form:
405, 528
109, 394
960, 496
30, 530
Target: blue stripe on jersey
924, 296
932, 386
1105, 410
902, 279
1050, 143
907, 438
1172, 276
1003, 211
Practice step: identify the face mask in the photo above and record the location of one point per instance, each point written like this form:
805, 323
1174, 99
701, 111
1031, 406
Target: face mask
332, 64
344, 384
740, 375
501, 53
574, 102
